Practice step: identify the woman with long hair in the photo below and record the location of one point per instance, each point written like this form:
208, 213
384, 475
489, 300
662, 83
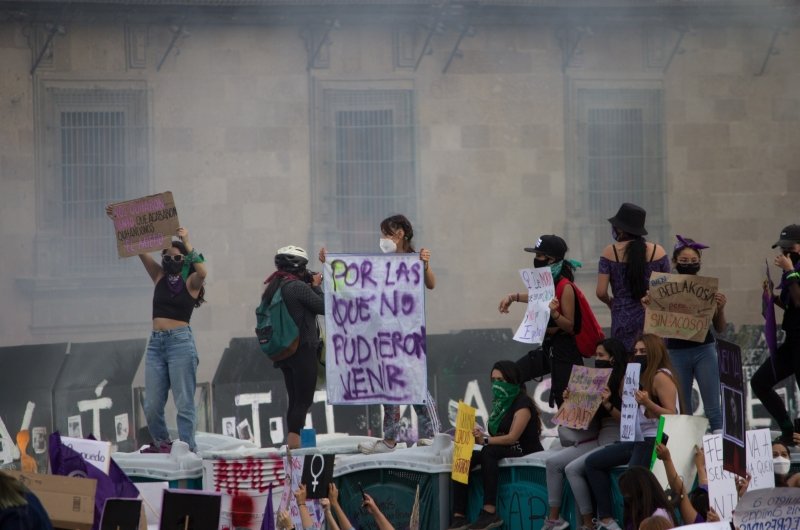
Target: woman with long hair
514, 428
626, 266
303, 297
658, 394
571, 460
643, 497
559, 351
171, 359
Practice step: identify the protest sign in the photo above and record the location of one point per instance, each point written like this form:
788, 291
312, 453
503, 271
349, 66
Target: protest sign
729, 357
375, 325
585, 387
681, 306
685, 433
775, 508
145, 225
293, 466
317, 474
770, 322
94, 452
464, 442
759, 459
121, 514
719, 525
541, 291
722, 494
629, 430
182, 509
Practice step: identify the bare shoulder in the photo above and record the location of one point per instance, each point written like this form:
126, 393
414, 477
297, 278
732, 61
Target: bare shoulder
608, 252
659, 250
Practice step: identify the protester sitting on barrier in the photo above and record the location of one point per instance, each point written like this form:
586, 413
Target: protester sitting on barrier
396, 236
643, 497
626, 265
786, 361
694, 360
694, 507
559, 351
333, 498
781, 464
658, 395
570, 460
514, 429
20, 509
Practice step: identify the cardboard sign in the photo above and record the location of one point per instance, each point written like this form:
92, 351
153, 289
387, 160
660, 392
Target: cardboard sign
722, 495
681, 306
145, 225
317, 474
375, 325
94, 452
464, 442
121, 514
184, 509
629, 429
685, 432
759, 459
776, 508
585, 387
729, 357
69, 501
541, 291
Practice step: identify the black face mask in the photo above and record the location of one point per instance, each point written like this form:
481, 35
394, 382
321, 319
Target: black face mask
687, 268
171, 267
539, 263
642, 360
602, 364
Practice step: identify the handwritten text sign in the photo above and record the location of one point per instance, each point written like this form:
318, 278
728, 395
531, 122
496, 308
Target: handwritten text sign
681, 306
541, 291
464, 442
375, 325
759, 459
729, 357
94, 452
585, 387
145, 225
721, 483
629, 430
773, 508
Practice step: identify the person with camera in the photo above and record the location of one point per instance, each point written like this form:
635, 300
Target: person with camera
303, 297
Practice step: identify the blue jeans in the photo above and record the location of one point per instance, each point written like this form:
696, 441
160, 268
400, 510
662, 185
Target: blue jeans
700, 362
598, 471
171, 362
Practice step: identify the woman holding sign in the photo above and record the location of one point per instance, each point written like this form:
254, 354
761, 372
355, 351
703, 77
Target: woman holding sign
171, 359
626, 266
514, 430
396, 236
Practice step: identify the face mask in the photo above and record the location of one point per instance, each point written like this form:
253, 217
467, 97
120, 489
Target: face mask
781, 465
539, 263
171, 267
687, 268
614, 234
795, 257
602, 364
503, 389
642, 360
387, 246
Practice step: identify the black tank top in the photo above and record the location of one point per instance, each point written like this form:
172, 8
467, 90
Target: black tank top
176, 306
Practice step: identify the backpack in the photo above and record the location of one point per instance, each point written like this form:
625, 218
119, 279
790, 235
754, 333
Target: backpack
277, 332
587, 330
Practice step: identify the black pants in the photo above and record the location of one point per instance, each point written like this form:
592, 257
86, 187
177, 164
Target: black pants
300, 376
556, 357
787, 363
487, 458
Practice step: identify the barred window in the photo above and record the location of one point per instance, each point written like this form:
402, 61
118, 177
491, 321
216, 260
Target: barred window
96, 141
619, 157
366, 140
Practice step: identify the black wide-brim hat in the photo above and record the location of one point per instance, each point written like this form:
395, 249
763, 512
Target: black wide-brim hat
630, 219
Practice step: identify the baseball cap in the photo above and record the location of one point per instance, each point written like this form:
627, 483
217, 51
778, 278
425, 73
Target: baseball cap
789, 236
550, 245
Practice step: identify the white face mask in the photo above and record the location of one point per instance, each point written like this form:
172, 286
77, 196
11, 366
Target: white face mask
387, 246
781, 465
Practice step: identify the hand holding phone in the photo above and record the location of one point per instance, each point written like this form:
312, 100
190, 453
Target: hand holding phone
664, 438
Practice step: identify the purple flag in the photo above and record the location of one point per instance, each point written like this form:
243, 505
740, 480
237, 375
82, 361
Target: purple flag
67, 462
268, 523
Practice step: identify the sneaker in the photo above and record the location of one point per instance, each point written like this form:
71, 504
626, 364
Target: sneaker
376, 447
160, 447
459, 522
611, 525
486, 521
424, 442
555, 524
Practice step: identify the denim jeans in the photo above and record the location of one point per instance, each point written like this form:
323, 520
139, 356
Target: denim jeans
699, 362
171, 362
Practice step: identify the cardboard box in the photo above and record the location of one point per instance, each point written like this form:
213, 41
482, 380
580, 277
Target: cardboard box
69, 501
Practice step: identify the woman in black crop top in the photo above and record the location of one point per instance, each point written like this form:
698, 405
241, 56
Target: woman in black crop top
171, 359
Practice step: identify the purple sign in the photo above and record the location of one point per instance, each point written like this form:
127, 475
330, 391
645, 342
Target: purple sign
375, 327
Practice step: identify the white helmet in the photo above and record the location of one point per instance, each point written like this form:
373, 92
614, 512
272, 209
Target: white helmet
291, 257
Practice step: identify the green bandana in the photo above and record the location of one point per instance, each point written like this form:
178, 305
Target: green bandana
503, 395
